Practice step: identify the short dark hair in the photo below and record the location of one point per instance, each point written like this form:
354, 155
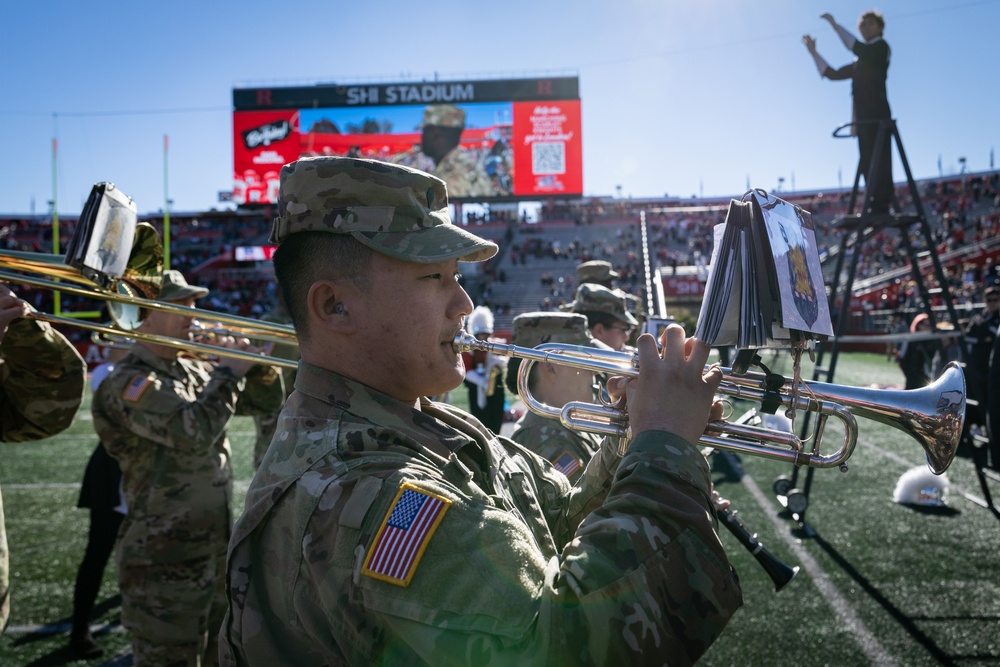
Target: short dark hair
306, 257
875, 16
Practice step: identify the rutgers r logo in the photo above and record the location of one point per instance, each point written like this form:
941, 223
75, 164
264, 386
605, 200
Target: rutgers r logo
264, 97
544, 87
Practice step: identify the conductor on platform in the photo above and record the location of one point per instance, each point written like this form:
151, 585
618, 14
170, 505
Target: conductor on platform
871, 103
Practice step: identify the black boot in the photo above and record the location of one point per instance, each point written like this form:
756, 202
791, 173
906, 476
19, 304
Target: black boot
82, 644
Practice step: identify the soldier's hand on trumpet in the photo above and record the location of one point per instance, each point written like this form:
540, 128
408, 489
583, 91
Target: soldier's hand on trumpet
674, 391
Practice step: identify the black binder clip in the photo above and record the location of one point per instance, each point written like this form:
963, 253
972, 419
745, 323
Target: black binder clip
773, 382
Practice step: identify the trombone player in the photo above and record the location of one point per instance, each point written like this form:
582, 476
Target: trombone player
43, 378
163, 416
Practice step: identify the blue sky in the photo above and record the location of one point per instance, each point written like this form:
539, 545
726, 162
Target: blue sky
678, 98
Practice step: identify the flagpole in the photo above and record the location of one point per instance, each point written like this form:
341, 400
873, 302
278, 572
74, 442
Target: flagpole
166, 207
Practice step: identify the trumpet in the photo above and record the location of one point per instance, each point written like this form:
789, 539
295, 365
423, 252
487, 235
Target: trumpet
933, 415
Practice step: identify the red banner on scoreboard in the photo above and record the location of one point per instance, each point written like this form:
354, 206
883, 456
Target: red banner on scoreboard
683, 286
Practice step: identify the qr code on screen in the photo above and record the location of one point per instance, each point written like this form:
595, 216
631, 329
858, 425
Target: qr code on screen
548, 157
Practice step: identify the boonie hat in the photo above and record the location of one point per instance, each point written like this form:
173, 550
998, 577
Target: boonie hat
175, 287
394, 210
592, 298
595, 271
443, 115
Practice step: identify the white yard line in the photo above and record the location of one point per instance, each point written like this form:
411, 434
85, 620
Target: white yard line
869, 644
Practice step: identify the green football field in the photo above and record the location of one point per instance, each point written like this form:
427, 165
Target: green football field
879, 583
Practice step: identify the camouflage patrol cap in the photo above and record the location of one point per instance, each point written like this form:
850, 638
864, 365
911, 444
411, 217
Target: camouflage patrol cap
175, 287
533, 329
591, 298
596, 271
394, 210
443, 115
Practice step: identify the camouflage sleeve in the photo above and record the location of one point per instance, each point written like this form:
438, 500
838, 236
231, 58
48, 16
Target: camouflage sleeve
263, 393
644, 580
159, 408
42, 382
644, 577
565, 507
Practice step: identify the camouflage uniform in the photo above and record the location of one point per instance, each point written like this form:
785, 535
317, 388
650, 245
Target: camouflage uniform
41, 386
510, 576
265, 423
500, 560
464, 175
165, 421
568, 450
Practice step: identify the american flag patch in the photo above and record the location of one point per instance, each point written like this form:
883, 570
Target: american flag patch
136, 388
567, 464
405, 533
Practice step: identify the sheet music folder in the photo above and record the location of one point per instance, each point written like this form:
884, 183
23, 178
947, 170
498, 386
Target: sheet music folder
103, 238
765, 285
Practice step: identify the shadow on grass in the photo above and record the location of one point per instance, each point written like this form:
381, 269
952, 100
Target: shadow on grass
908, 623
937, 510
63, 655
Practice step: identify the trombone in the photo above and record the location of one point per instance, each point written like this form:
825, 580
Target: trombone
128, 302
106, 336
933, 416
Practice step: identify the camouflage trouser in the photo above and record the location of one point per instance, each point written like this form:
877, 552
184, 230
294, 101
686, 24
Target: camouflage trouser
174, 611
266, 425
4, 573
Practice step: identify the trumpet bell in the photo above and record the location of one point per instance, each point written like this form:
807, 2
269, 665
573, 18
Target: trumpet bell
934, 415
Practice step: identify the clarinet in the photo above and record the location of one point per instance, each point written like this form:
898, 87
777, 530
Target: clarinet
780, 572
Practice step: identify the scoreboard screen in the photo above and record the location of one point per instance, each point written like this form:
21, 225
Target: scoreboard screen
515, 139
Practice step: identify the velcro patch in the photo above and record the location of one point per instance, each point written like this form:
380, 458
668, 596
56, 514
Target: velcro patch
136, 388
567, 464
404, 535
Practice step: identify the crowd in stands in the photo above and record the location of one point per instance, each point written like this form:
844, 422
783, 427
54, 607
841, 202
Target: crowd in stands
964, 214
